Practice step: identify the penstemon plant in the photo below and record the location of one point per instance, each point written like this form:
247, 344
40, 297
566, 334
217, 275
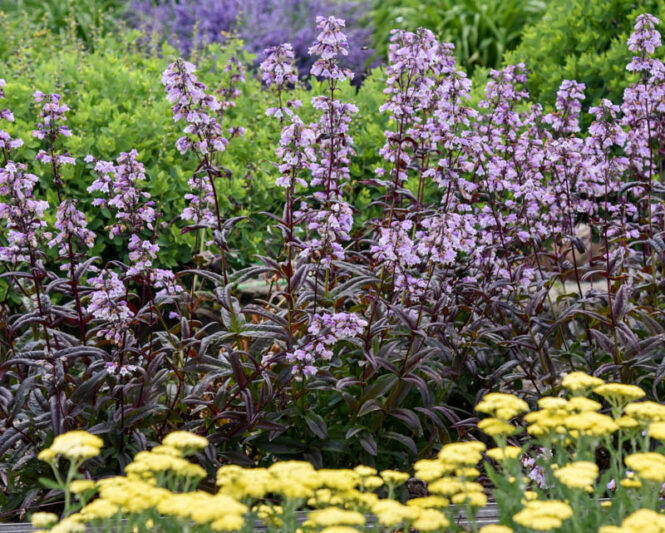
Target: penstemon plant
371, 340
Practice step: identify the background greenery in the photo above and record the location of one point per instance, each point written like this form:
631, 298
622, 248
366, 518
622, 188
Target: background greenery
583, 40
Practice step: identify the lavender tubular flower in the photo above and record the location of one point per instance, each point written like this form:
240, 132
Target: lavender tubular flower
23, 213
108, 306
7, 144
133, 209
204, 137
71, 223
277, 69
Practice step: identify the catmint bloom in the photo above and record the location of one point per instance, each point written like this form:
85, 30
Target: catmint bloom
108, 305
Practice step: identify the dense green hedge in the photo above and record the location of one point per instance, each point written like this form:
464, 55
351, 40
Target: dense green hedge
482, 30
583, 40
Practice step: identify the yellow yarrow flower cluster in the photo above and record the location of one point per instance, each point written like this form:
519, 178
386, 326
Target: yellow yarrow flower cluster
543, 515
502, 406
580, 383
646, 412
641, 521
334, 516
591, 424
43, 519
619, 395
495, 528
147, 464
648, 465
501, 454
185, 442
550, 421
657, 430
578, 475
73, 445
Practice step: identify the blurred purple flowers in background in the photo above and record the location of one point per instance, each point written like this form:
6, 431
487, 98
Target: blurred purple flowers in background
261, 24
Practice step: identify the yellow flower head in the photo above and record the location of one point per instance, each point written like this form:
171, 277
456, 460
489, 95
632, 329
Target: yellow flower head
657, 430
75, 445
618, 393
474, 498
429, 469
644, 520
553, 403
147, 464
43, 519
580, 404
446, 486
631, 481
270, 515
543, 515
79, 486
627, 422
372, 482
185, 442
495, 427
365, 471
648, 465
429, 502
646, 412
462, 453
68, 525
229, 522
392, 513
47, 455
99, 509
577, 475
502, 406
495, 528
340, 529
166, 450
342, 479
393, 477
333, 516
591, 424
530, 495
430, 520
579, 382
501, 454
611, 529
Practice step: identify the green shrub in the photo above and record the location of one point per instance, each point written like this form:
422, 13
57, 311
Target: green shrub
482, 30
582, 40
87, 17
